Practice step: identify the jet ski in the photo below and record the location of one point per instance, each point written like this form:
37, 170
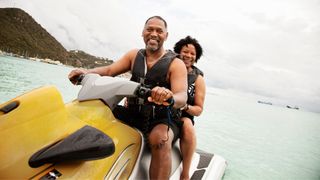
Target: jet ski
43, 138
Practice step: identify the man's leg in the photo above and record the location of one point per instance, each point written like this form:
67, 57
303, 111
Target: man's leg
160, 140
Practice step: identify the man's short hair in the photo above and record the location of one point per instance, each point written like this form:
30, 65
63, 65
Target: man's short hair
157, 17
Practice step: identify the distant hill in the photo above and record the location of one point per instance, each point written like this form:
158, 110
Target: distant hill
22, 35
80, 58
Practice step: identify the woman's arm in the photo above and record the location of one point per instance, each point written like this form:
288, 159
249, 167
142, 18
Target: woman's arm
199, 97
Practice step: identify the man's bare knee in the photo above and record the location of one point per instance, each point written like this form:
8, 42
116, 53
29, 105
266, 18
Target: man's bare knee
158, 141
159, 145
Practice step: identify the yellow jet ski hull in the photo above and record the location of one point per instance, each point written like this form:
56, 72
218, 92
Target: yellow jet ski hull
40, 118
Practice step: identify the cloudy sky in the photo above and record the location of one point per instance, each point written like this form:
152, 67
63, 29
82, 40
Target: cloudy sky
265, 47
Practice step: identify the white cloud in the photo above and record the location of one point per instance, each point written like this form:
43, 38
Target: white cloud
270, 48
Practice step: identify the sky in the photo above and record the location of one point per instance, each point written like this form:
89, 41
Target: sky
270, 48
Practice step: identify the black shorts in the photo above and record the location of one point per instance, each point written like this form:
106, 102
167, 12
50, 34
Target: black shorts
138, 119
185, 114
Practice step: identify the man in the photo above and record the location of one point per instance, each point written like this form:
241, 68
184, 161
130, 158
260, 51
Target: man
167, 76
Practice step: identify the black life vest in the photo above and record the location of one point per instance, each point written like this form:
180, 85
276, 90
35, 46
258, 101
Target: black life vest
155, 76
192, 77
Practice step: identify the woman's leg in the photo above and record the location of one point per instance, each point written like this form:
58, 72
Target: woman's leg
187, 146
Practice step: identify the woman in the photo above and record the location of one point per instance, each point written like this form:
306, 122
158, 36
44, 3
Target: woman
190, 51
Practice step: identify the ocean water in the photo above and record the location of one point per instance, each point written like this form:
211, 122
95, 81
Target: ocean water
18, 76
258, 141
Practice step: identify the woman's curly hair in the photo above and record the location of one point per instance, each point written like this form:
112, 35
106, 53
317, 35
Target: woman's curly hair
188, 40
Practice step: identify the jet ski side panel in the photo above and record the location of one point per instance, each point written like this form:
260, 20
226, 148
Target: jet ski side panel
42, 119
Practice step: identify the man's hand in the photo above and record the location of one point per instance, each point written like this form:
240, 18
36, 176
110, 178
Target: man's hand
74, 74
160, 96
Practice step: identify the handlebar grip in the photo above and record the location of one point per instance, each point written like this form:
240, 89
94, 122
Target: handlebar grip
79, 79
170, 101
76, 80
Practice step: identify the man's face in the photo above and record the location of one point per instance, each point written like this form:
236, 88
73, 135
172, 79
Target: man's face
154, 34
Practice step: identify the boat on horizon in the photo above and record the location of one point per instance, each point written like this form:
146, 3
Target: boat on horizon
293, 107
264, 102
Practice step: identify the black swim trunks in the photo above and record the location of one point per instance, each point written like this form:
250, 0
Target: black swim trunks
140, 119
185, 114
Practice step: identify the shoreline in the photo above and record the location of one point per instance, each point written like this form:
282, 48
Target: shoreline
53, 62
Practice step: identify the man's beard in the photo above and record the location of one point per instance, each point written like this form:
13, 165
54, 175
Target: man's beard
152, 48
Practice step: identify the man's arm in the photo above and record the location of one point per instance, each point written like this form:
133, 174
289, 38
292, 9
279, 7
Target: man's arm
122, 65
179, 82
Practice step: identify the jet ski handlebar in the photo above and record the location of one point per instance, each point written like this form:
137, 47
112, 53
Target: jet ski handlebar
111, 90
78, 79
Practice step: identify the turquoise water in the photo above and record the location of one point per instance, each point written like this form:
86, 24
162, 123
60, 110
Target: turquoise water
258, 141
261, 141
18, 76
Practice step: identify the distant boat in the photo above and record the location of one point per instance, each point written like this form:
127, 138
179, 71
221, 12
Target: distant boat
295, 107
264, 102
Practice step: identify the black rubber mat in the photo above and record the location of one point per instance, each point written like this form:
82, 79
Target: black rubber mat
205, 159
198, 174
